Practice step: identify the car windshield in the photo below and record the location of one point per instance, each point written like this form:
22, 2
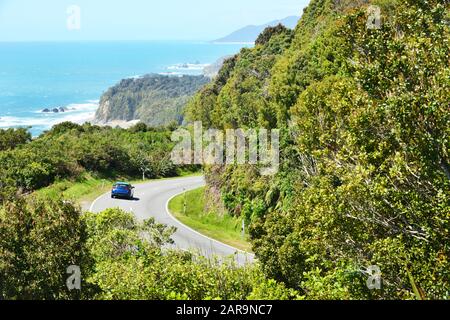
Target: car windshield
122, 186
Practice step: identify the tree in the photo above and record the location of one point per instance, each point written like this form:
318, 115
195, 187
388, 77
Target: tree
267, 34
11, 138
141, 157
133, 261
39, 240
364, 174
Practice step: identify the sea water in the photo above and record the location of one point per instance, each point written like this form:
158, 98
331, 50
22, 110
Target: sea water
47, 75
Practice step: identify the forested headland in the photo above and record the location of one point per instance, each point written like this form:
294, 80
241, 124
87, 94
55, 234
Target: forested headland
156, 100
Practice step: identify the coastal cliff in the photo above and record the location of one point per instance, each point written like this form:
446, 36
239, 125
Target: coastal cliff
154, 99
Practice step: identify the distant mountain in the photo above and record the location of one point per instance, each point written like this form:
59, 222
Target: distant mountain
251, 33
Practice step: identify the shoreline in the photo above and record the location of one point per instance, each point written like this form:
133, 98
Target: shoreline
38, 121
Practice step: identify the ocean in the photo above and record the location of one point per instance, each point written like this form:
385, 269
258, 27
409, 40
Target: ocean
38, 76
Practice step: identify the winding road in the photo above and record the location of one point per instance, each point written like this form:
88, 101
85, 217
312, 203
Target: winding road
151, 200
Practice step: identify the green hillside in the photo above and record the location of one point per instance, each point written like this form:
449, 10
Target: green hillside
156, 100
365, 150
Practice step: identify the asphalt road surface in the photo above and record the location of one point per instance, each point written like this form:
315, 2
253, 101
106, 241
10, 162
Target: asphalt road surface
151, 200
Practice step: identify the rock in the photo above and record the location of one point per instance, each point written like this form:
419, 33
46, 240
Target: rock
46, 110
211, 71
55, 110
61, 109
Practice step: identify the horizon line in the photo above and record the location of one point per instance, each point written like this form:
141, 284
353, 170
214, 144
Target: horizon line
127, 40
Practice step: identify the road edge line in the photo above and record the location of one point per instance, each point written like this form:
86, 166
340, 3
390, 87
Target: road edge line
178, 221
95, 201
195, 231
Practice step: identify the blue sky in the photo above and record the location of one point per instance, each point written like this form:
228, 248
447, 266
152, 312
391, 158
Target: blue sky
46, 20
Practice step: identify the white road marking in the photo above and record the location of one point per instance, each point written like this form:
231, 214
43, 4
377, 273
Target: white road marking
198, 233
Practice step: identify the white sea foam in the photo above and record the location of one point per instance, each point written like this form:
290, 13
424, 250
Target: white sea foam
135, 77
71, 108
77, 113
188, 66
8, 122
178, 74
91, 105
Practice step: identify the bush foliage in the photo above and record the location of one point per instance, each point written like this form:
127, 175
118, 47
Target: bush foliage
365, 122
68, 150
119, 259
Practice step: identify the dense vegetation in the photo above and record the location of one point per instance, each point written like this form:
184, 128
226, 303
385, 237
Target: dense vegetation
11, 138
41, 236
39, 240
365, 169
69, 150
119, 258
154, 99
364, 177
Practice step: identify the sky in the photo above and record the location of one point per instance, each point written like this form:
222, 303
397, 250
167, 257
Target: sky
57, 20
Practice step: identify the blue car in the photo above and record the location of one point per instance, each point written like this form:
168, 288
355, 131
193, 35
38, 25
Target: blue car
122, 190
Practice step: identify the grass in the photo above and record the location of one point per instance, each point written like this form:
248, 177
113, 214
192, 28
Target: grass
224, 228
